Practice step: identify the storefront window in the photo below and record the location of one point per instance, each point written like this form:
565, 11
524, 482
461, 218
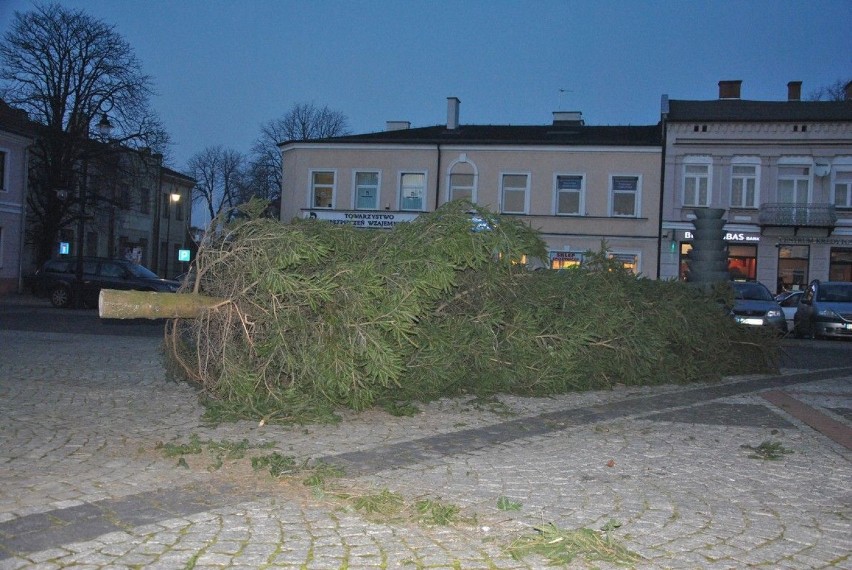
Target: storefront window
742, 262
793, 267
630, 261
685, 248
565, 259
840, 268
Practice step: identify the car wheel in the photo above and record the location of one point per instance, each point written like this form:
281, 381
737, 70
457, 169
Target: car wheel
60, 297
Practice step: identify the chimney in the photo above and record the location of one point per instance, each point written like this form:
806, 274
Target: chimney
398, 125
574, 118
794, 91
848, 91
452, 113
729, 89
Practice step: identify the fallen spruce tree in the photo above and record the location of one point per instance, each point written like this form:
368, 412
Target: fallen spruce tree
309, 316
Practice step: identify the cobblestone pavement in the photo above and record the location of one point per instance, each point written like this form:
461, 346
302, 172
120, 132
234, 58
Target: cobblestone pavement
85, 481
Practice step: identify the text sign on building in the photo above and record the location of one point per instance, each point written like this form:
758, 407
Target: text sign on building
729, 236
374, 220
183, 255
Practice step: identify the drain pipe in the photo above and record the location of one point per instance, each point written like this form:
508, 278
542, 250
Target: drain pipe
664, 108
438, 178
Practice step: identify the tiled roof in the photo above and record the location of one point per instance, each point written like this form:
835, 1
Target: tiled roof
738, 110
558, 135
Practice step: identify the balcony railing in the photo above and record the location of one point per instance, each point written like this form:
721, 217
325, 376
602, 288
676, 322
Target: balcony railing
792, 219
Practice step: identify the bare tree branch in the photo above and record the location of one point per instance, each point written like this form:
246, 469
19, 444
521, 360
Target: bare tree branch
304, 121
219, 173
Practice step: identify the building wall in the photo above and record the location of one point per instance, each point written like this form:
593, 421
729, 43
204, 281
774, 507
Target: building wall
12, 199
576, 233
772, 146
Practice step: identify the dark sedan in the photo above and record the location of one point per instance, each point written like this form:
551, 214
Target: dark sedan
754, 305
57, 279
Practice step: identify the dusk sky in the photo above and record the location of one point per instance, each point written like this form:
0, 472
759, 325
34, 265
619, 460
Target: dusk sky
223, 68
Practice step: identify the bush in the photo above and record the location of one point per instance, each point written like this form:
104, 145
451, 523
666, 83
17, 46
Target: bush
325, 316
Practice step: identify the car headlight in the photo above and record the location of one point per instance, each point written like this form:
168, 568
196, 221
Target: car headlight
773, 313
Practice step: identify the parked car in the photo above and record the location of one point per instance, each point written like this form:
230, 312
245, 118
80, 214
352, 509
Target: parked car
754, 305
789, 302
825, 310
56, 279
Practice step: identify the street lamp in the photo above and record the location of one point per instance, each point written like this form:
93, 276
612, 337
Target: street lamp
104, 128
173, 197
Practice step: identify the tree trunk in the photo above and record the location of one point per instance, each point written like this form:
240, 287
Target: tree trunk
115, 304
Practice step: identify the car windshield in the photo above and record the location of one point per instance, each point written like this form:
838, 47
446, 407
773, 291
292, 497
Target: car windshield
752, 292
142, 271
835, 293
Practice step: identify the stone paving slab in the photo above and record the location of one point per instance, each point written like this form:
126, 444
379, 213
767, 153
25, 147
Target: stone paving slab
80, 418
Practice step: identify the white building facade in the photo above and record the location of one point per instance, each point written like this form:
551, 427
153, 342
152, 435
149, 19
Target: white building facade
15, 137
781, 170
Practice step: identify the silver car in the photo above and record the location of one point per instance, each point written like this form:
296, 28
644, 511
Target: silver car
825, 310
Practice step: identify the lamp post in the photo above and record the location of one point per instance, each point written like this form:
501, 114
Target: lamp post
173, 197
104, 129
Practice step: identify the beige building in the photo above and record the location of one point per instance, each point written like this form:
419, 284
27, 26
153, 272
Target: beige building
781, 170
576, 184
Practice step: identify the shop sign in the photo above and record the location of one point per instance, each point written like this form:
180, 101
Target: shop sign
374, 220
566, 256
819, 241
730, 236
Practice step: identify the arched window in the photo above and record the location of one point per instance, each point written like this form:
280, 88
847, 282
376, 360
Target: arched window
462, 180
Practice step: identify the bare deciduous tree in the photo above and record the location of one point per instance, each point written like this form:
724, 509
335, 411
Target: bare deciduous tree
304, 121
834, 92
67, 70
219, 175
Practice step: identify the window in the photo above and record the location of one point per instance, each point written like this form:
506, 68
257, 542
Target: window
3, 187
143, 245
164, 205
793, 267
625, 195
91, 244
565, 259
461, 187
412, 190
322, 189
840, 264
462, 179
366, 190
742, 262
124, 197
843, 189
514, 193
144, 201
794, 184
630, 261
569, 195
112, 270
744, 186
696, 185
